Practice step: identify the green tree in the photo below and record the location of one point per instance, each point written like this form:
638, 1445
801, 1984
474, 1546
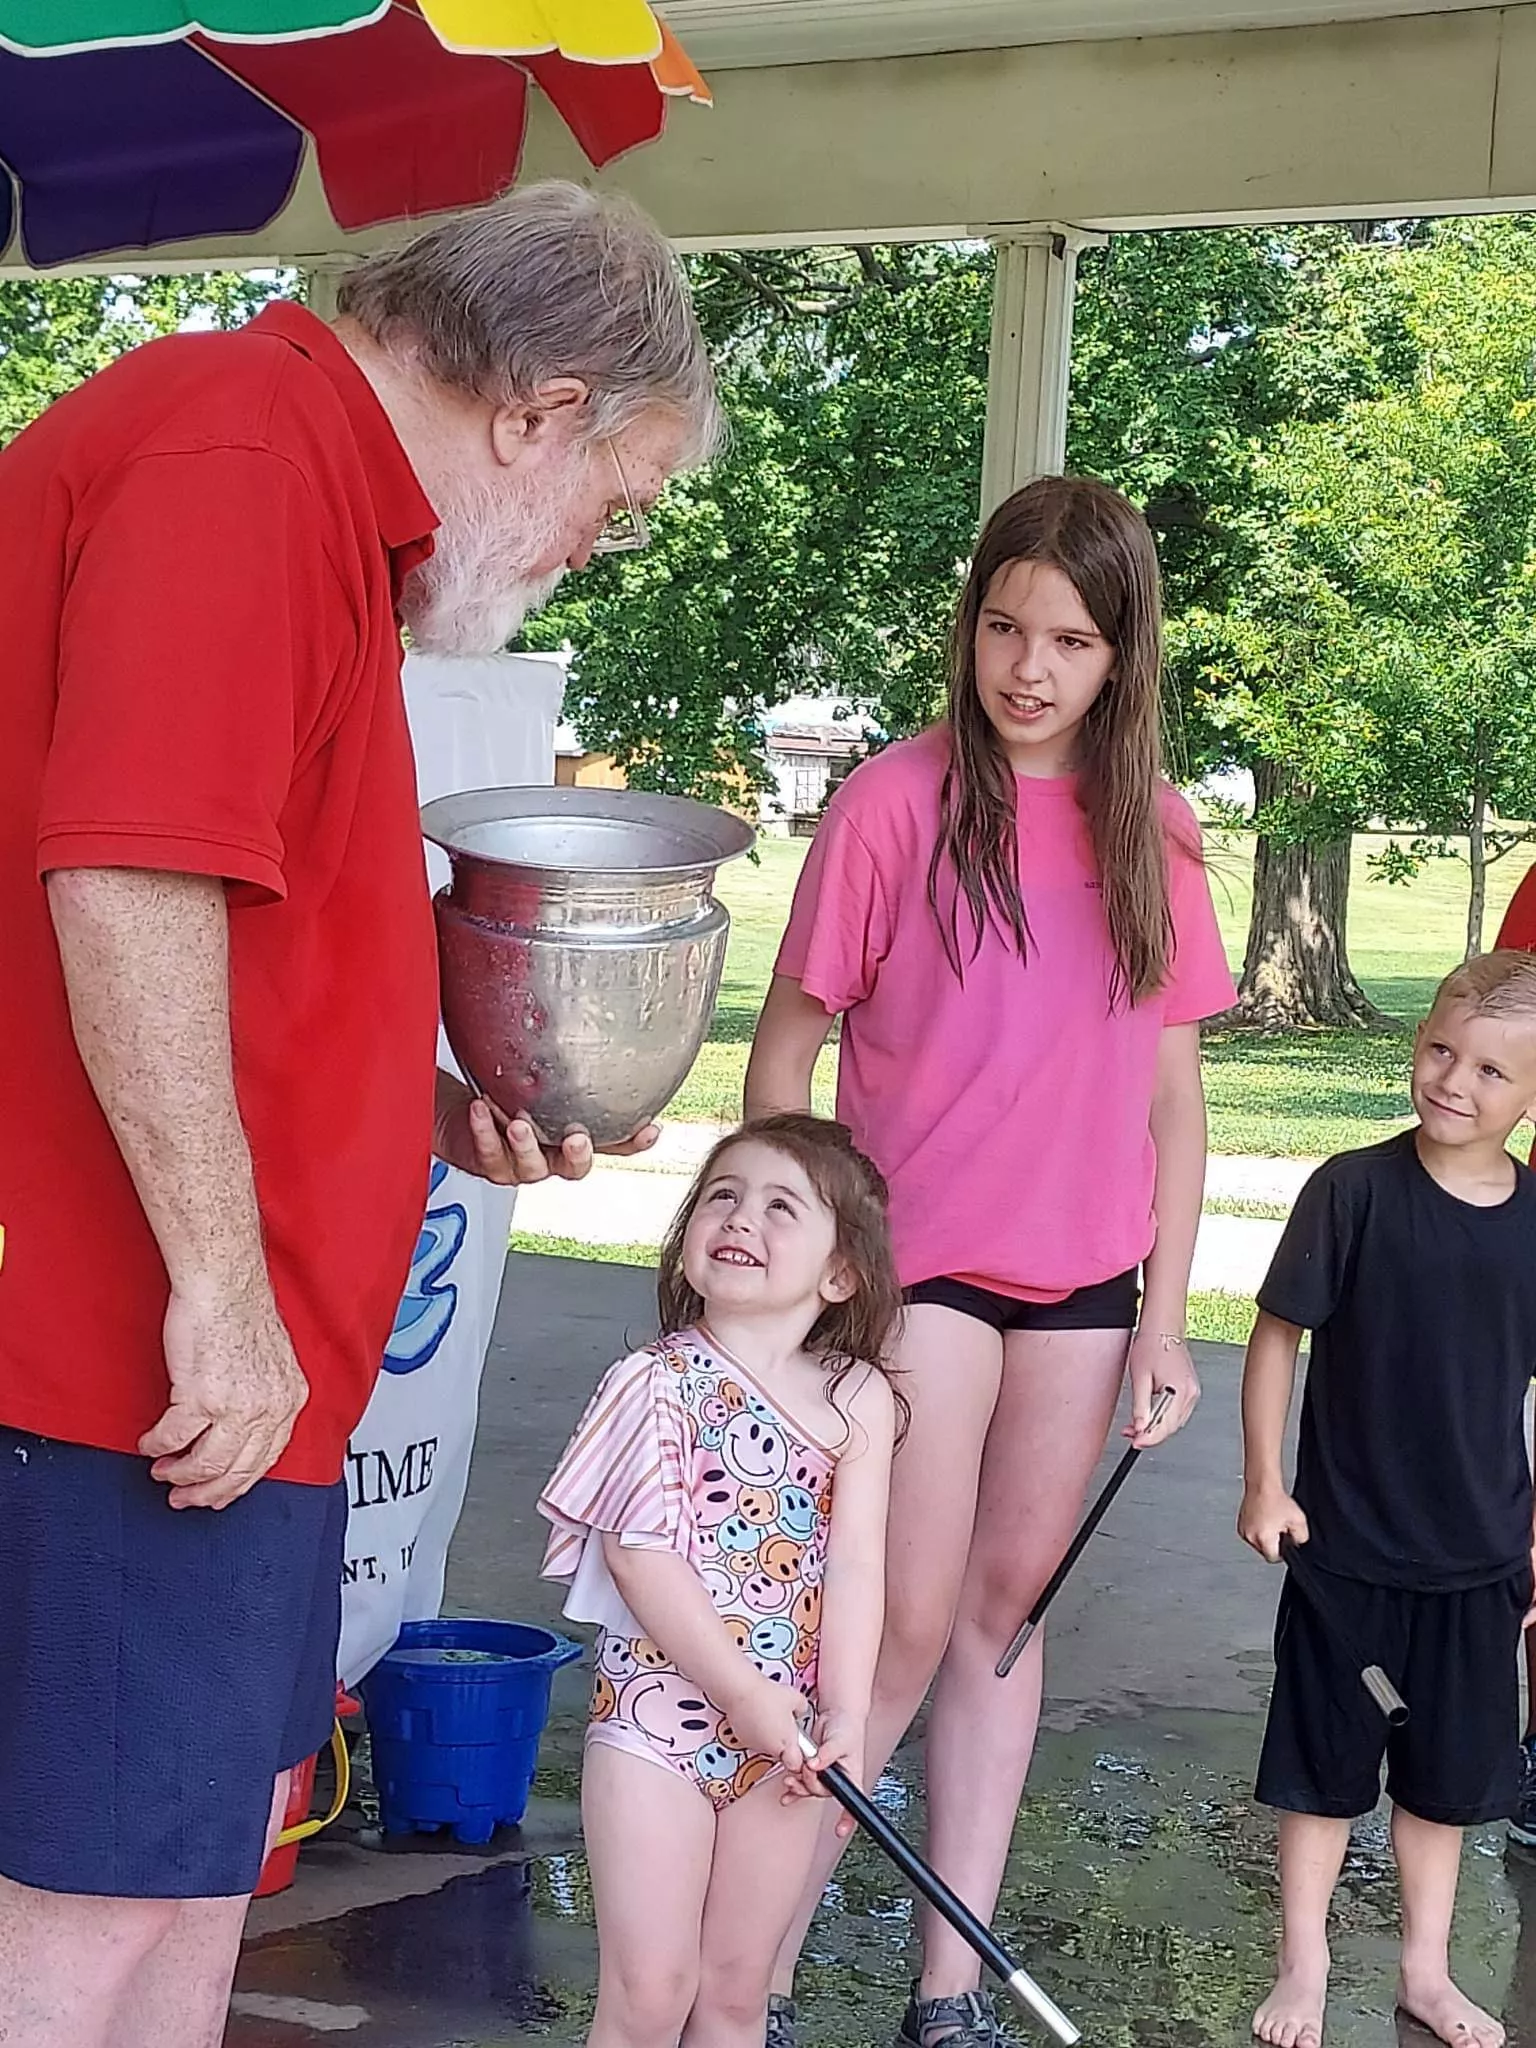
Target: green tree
821, 553
1196, 353
681, 647
1459, 730
825, 552
1377, 662
55, 332
1326, 427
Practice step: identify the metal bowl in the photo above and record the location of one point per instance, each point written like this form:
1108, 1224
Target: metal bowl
580, 948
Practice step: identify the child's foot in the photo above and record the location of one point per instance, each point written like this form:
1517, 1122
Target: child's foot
1436, 2003
1292, 2015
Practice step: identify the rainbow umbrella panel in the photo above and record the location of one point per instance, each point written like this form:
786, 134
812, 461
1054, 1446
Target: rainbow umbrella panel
134, 124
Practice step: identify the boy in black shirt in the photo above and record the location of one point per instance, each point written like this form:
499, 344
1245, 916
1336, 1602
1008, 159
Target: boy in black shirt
1413, 1263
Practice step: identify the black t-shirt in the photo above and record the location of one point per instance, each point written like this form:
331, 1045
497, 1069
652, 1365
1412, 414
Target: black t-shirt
1412, 1465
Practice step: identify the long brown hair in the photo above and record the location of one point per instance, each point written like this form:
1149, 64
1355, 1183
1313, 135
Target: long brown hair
847, 1335
1101, 543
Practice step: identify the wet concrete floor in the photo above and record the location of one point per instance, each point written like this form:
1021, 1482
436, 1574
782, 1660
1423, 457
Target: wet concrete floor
1140, 1889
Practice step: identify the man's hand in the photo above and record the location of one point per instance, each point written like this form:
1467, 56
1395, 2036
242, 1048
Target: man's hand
236, 1390
1267, 1514
472, 1134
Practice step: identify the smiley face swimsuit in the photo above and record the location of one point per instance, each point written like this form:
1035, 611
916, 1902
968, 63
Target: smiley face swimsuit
680, 1450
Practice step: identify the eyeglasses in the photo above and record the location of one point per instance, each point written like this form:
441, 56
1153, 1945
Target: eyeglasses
626, 529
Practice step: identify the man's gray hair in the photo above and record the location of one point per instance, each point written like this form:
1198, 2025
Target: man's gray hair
548, 281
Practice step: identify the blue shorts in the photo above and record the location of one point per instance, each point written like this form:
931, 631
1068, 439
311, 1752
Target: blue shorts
158, 1668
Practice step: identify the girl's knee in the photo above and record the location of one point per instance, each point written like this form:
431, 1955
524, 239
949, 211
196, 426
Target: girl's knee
1004, 1580
996, 1603
732, 1996
648, 2001
911, 1651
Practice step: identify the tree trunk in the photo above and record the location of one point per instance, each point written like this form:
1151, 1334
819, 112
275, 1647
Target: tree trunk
1296, 972
1477, 856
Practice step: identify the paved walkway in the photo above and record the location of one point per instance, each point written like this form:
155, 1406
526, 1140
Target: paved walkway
633, 1201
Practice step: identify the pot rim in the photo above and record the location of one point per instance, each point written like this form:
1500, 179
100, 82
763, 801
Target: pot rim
720, 835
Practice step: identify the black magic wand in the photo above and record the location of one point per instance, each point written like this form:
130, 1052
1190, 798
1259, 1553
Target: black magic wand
1079, 1542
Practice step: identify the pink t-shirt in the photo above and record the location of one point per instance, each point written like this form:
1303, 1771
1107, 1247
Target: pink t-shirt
1010, 1112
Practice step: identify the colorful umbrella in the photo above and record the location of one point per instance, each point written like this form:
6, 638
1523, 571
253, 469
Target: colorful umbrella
132, 124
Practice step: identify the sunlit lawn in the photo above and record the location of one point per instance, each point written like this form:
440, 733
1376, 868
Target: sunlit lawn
1298, 1096
1214, 1318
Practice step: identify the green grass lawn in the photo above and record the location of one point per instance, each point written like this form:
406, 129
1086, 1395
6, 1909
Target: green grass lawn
1302, 1095
1213, 1318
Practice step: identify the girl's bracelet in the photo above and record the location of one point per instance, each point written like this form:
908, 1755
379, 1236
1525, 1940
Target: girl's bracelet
1169, 1339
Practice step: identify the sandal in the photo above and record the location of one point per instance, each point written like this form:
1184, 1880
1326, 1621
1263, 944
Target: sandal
781, 2022
968, 2021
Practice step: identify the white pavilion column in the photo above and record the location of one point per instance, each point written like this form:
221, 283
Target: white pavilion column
320, 284
1030, 364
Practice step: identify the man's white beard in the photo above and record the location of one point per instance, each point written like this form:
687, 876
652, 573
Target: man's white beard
474, 591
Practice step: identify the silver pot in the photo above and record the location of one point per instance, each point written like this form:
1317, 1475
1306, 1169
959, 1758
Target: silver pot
580, 948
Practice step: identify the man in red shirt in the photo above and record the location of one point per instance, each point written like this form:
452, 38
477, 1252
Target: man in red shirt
1518, 933
218, 1012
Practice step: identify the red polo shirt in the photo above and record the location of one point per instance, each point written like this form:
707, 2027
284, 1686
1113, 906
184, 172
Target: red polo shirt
1518, 931
200, 554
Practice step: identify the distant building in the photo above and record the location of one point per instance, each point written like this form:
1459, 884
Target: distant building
577, 767
812, 742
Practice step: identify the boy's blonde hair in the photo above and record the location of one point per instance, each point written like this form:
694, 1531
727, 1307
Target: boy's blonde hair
1498, 984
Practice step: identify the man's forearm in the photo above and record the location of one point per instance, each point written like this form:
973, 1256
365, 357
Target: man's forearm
146, 965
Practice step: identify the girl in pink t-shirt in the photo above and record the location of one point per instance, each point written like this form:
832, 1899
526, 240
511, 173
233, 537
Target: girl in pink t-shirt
1011, 916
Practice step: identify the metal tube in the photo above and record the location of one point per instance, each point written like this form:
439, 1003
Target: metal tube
1385, 1694
1016, 1980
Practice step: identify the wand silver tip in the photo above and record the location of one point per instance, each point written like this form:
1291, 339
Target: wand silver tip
1025, 1992
1015, 1650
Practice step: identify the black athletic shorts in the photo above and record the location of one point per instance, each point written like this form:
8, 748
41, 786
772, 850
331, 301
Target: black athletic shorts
1107, 1305
1452, 1656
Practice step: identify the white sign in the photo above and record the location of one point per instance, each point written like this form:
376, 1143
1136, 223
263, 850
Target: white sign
476, 724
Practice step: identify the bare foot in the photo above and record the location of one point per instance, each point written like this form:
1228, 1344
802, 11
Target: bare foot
1436, 2003
1292, 2015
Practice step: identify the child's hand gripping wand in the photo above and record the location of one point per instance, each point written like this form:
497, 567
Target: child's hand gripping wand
1385, 1696
1079, 1542
1017, 1982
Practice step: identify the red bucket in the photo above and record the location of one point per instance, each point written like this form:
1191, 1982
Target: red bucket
277, 1872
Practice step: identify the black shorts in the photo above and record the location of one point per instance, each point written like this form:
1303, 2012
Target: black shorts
158, 1667
1452, 1656
1107, 1305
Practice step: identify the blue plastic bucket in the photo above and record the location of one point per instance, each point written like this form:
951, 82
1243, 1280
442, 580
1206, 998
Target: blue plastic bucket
455, 1712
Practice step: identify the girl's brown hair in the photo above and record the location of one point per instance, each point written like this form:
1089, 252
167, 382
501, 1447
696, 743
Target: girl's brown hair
847, 1334
1101, 543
